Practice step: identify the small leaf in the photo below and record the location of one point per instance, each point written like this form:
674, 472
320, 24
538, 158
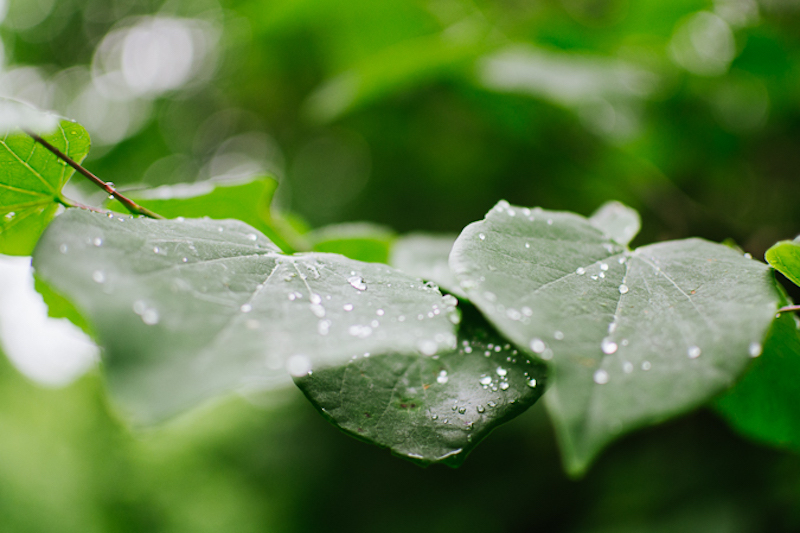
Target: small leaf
618, 221
430, 409
426, 256
363, 241
31, 180
785, 258
632, 337
189, 309
246, 200
765, 404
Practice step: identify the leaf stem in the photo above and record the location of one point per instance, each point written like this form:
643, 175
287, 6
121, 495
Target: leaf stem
132, 206
789, 308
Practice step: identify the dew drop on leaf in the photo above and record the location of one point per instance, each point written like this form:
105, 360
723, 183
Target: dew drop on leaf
623, 289
442, 377
538, 345
608, 346
298, 365
486, 380
601, 377
98, 276
532, 383
693, 352
754, 349
481, 236
357, 282
246, 308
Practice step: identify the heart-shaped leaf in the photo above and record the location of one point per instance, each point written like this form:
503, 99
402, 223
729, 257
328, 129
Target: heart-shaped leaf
430, 409
186, 309
633, 337
31, 180
785, 258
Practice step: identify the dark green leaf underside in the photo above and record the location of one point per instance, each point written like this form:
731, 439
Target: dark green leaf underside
632, 337
189, 309
430, 409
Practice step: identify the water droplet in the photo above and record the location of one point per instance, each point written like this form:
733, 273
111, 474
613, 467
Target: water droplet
527, 245
292, 296
434, 417
623, 289
442, 377
527, 311
246, 308
513, 314
357, 282
608, 346
462, 410
504, 385
646, 365
315, 299
323, 327
150, 317
501, 371
480, 409
481, 236
359, 331
139, 307
298, 365
156, 250
428, 347
97, 241
185, 260
491, 404
538, 345
486, 380
627, 367
580, 271
748, 256
63, 248
755, 349
492, 297
252, 236
558, 335
380, 312
347, 307
10, 215
603, 266
601, 377
318, 310
693, 352
595, 278
98, 276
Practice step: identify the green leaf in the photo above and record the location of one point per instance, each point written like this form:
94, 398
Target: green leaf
246, 200
632, 337
363, 241
31, 180
785, 258
189, 309
618, 221
430, 409
764, 404
426, 256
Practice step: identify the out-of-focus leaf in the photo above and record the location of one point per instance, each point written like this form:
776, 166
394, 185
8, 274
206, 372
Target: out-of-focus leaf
426, 256
765, 404
31, 180
633, 337
187, 309
785, 258
362, 241
430, 409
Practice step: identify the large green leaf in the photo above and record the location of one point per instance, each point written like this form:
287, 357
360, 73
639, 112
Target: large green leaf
765, 404
31, 180
785, 258
633, 337
186, 309
426, 256
430, 409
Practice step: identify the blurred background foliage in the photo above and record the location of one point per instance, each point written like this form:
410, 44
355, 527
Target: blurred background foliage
415, 115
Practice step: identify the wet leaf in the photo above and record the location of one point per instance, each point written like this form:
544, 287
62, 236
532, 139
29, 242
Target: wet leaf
185, 310
632, 337
31, 180
430, 409
764, 404
785, 258
426, 256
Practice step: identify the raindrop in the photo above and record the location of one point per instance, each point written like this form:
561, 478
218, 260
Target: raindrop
323, 327
491, 404
601, 377
748, 256
646, 365
532, 383
504, 385
527, 245
428, 347
480, 409
292, 296
693, 352
486, 380
442, 377
360, 331
538, 345
608, 346
379, 312
434, 417
594, 278
558, 335
501, 371
347, 307
298, 365
580, 271
357, 282
318, 310
185, 260
315, 299
252, 236
98, 276
97, 241
603, 266
623, 289
63, 248
10, 215
481, 236
246, 308
461, 410
754, 349
150, 317
156, 250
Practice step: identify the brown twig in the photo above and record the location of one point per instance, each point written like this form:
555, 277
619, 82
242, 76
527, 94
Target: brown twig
789, 308
132, 206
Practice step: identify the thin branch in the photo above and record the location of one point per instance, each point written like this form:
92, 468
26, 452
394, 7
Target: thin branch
132, 206
789, 309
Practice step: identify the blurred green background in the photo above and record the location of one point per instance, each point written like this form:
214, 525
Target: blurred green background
417, 115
